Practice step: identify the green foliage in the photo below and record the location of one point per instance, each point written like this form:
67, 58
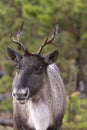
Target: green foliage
75, 103
6, 105
75, 126
5, 84
5, 128
78, 110
5, 87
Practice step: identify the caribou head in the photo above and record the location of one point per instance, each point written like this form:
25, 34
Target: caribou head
31, 67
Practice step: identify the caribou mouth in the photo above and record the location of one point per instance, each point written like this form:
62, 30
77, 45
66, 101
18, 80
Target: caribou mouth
22, 101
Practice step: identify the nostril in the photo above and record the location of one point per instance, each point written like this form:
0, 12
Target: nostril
25, 95
13, 94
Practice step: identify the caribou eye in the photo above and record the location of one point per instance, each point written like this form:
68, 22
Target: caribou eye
39, 69
18, 66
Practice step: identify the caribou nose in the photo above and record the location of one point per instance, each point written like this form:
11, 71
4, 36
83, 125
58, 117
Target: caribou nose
21, 94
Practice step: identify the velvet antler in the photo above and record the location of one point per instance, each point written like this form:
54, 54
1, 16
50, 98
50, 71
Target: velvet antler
49, 40
18, 37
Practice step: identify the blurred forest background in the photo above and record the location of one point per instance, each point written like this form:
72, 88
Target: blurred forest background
39, 17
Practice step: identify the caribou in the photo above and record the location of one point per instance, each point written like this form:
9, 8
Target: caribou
38, 92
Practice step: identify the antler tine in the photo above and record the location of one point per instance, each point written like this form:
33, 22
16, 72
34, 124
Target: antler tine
18, 36
49, 40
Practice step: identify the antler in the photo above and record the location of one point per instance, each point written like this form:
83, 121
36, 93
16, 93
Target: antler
19, 33
49, 40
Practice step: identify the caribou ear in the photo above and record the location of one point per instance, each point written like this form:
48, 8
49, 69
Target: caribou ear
52, 57
13, 55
